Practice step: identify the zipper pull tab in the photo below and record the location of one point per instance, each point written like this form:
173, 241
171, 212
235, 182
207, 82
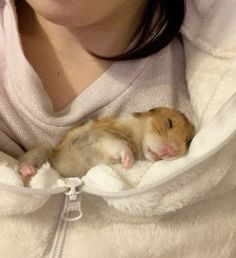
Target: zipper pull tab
72, 208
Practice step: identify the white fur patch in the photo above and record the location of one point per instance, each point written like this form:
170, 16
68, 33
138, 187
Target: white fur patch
46, 177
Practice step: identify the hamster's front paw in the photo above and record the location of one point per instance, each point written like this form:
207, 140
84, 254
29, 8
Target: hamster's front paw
127, 158
27, 170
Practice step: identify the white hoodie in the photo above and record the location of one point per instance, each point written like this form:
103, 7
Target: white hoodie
188, 210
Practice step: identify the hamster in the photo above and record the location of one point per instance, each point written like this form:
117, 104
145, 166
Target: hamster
160, 133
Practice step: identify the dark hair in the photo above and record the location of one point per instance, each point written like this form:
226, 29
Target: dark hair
161, 23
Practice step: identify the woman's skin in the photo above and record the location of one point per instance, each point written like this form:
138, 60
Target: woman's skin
57, 36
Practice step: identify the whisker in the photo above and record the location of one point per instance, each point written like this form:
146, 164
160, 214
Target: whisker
156, 131
164, 132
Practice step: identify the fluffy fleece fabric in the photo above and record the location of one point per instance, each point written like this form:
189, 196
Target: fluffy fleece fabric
188, 210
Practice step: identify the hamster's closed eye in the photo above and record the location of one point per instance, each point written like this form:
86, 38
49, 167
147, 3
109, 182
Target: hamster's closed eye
169, 123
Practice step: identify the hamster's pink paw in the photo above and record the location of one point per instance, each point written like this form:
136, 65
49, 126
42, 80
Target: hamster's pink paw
27, 170
127, 158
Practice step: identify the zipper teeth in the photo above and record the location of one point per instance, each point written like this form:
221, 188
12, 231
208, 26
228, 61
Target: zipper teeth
26, 190
57, 248
60, 238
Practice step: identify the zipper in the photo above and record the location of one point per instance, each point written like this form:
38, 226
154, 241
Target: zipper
72, 208
69, 213
26, 190
73, 187
72, 204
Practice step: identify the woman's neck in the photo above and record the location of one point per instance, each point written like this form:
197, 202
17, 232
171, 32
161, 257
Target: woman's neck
108, 37
70, 66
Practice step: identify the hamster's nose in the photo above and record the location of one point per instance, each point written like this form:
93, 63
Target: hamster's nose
169, 150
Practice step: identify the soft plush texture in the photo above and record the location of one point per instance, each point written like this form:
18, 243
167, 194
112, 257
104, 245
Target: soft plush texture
190, 212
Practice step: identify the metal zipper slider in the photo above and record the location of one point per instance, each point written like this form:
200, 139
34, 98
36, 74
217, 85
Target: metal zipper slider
72, 208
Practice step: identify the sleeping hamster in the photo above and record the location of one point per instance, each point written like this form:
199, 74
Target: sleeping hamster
160, 133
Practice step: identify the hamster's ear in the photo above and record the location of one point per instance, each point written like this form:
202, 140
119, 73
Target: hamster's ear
150, 112
137, 114
155, 110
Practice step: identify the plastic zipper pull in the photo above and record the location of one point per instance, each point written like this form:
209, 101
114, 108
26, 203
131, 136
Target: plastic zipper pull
72, 208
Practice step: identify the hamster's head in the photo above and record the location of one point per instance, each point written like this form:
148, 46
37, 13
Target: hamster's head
167, 135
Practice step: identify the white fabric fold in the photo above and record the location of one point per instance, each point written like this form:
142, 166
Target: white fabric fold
209, 167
